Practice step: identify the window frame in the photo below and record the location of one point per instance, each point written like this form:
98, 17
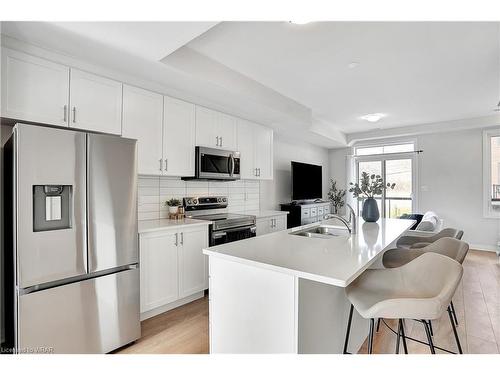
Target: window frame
412, 155
487, 183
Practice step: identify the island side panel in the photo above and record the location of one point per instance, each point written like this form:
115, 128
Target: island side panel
323, 315
251, 310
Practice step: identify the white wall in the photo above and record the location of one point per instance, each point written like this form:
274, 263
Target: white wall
451, 170
450, 183
279, 190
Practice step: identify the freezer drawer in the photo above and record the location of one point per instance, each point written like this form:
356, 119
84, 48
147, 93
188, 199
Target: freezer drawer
112, 202
91, 316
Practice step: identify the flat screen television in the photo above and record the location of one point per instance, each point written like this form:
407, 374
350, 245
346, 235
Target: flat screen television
306, 181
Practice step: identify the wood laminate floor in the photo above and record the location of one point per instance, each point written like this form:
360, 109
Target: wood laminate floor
477, 303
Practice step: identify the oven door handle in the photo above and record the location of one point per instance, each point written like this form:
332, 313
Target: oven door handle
217, 235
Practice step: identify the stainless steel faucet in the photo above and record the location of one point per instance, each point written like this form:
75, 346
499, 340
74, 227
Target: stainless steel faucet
351, 224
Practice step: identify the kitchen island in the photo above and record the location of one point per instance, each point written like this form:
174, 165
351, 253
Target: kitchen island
284, 292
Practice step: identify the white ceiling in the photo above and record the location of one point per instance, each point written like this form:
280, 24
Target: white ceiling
150, 40
294, 78
414, 72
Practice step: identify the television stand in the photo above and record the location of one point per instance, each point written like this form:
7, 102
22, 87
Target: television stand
305, 212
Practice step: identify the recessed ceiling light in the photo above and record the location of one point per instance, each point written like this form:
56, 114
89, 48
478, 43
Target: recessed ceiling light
353, 64
299, 22
373, 117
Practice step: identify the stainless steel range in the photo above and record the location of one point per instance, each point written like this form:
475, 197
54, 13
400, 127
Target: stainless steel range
225, 227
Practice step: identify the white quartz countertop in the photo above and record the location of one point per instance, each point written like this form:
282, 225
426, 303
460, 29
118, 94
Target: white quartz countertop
146, 226
264, 213
336, 260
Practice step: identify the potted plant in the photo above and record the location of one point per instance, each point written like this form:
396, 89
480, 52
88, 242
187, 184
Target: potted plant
336, 196
369, 187
173, 205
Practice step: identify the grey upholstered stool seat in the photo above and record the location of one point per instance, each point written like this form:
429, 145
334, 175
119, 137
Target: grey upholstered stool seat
421, 289
418, 241
448, 246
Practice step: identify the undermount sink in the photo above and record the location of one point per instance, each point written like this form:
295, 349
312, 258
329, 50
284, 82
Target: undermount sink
323, 231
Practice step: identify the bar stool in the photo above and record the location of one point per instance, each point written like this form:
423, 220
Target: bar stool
414, 242
447, 246
421, 289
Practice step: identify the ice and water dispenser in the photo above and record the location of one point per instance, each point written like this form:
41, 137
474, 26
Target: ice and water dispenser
51, 207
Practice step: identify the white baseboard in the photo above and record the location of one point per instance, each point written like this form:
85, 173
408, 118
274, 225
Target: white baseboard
170, 306
481, 247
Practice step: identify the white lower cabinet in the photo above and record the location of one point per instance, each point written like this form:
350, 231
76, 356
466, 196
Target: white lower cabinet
159, 270
270, 224
172, 267
193, 275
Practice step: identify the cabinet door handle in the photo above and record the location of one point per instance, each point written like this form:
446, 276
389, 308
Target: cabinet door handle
161, 164
177, 239
258, 174
65, 113
182, 238
166, 165
74, 114
255, 172
220, 141
217, 141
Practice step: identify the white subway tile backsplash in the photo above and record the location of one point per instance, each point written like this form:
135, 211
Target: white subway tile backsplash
243, 195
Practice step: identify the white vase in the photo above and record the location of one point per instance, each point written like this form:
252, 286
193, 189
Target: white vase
172, 209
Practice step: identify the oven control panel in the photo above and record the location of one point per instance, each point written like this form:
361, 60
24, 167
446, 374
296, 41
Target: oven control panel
204, 203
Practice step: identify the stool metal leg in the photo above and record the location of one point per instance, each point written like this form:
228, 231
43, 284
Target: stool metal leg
398, 336
454, 313
430, 328
346, 342
429, 337
403, 336
378, 323
450, 314
370, 340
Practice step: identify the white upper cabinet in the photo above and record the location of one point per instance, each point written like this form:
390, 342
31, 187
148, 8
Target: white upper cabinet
263, 138
255, 144
95, 103
143, 120
215, 129
246, 147
34, 89
227, 131
178, 137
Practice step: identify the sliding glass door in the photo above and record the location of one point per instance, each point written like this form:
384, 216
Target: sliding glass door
398, 169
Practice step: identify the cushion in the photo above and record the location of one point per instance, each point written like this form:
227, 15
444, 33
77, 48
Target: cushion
417, 217
426, 226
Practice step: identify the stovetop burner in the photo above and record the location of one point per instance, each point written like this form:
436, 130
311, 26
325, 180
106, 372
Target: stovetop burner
221, 216
196, 205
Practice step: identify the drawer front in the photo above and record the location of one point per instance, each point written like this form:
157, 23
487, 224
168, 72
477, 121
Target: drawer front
305, 213
321, 211
314, 211
326, 210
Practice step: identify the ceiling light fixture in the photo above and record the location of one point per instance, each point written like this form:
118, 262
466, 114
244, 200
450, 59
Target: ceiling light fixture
353, 64
373, 117
299, 22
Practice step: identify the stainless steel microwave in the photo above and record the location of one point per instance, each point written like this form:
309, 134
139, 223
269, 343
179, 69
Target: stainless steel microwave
215, 164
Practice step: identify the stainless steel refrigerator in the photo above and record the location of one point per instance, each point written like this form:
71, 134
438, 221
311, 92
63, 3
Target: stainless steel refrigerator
71, 245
